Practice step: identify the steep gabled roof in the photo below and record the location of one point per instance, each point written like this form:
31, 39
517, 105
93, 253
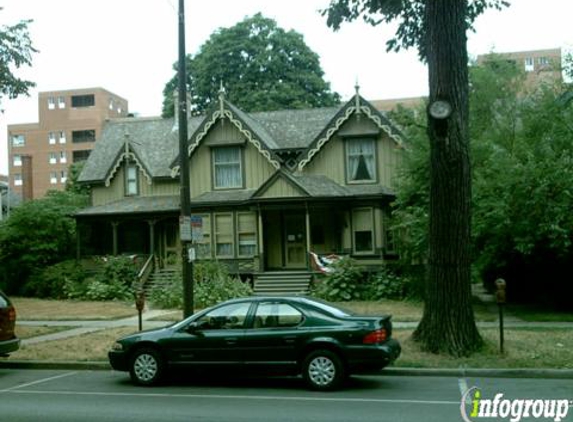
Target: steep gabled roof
151, 142
356, 105
255, 133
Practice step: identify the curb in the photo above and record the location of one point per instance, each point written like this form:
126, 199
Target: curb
421, 372
482, 372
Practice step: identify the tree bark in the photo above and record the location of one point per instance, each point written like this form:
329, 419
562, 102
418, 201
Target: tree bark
448, 323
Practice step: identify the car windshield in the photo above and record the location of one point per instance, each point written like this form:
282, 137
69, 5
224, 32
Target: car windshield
329, 307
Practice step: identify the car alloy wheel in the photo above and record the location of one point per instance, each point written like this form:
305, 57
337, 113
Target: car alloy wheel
146, 367
323, 370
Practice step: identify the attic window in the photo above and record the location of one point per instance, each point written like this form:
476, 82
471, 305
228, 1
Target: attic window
227, 167
360, 160
131, 180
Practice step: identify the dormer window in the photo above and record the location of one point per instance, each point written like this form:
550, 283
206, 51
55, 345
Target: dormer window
131, 180
360, 160
227, 167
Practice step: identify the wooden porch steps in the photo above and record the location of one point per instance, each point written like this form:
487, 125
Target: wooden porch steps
282, 283
161, 277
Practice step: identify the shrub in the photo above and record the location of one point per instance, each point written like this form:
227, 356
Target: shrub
114, 282
98, 289
52, 281
168, 295
385, 284
212, 284
343, 284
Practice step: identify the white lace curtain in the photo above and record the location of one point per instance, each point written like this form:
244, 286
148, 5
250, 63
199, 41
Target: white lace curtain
361, 163
227, 162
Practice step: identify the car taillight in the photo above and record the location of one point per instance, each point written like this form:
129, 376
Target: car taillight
11, 314
374, 337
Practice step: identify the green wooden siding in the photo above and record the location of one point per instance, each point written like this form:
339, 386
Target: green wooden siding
255, 167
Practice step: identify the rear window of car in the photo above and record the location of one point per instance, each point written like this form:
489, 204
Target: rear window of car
3, 301
329, 308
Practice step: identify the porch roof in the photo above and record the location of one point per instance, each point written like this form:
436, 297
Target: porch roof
134, 205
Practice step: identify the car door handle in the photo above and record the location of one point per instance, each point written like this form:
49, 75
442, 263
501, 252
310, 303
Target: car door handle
289, 339
232, 340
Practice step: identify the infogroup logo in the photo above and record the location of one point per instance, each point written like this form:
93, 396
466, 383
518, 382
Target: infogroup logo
475, 407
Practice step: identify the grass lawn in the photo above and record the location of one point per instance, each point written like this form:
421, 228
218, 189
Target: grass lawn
87, 347
524, 348
66, 310
539, 313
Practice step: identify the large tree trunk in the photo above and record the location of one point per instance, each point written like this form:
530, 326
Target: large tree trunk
448, 323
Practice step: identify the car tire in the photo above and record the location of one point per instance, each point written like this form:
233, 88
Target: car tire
146, 367
323, 370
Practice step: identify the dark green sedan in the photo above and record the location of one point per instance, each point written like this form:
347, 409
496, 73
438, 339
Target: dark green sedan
286, 335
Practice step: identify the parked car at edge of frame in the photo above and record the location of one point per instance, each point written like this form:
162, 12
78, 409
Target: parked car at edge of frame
287, 335
8, 341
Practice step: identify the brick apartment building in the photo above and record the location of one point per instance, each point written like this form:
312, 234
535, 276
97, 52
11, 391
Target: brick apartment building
70, 121
540, 66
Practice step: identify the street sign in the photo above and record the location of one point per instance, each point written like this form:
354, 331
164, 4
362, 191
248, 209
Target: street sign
197, 228
185, 229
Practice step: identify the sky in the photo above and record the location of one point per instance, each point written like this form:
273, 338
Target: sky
129, 46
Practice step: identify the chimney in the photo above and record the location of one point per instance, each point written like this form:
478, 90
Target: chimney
27, 178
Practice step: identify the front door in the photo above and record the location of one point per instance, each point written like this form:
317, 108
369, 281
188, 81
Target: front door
294, 240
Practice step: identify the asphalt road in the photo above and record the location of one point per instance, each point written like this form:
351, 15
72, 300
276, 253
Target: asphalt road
85, 396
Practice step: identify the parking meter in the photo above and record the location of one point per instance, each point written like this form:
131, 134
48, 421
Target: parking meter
500, 297
500, 290
140, 305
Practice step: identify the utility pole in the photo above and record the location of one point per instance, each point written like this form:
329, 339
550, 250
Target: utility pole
186, 262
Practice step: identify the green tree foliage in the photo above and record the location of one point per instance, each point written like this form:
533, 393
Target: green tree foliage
262, 66
15, 51
38, 233
72, 184
409, 15
523, 225
522, 184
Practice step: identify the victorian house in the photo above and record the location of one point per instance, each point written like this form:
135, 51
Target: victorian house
267, 188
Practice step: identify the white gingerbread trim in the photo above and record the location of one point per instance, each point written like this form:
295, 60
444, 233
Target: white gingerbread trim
340, 121
220, 114
127, 155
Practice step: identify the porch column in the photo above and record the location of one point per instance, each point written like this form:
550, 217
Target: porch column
114, 225
151, 236
307, 223
260, 245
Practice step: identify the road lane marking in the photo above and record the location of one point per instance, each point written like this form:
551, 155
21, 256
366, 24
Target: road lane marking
237, 397
463, 385
40, 381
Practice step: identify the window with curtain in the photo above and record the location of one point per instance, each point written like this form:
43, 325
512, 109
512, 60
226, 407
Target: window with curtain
363, 230
360, 160
203, 247
224, 235
131, 182
227, 167
247, 233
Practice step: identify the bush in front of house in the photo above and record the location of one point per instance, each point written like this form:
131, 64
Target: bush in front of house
345, 283
386, 284
52, 281
212, 284
349, 281
69, 280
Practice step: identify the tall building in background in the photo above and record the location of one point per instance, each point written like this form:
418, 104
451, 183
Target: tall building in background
70, 121
540, 66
